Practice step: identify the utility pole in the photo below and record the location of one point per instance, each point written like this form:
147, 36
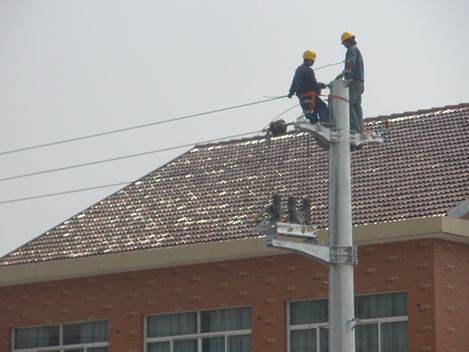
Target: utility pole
339, 254
341, 291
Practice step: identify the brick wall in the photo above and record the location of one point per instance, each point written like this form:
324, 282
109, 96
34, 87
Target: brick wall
452, 296
265, 284
406, 266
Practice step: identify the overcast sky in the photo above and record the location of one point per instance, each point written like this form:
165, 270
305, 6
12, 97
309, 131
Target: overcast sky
78, 67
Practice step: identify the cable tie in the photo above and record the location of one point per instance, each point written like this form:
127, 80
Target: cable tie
338, 97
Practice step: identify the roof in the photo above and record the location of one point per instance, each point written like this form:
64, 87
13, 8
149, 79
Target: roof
210, 193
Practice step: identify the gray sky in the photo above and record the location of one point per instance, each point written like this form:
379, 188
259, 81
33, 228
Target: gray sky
77, 67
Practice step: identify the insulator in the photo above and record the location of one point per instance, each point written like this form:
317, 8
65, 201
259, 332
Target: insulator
277, 128
275, 208
307, 210
292, 215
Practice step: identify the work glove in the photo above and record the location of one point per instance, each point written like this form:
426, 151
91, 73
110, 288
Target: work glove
344, 73
322, 85
289, 95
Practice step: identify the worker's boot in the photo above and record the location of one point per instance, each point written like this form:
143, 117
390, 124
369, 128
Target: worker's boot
312, 117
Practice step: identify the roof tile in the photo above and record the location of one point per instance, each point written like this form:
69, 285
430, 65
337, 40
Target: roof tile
210, 193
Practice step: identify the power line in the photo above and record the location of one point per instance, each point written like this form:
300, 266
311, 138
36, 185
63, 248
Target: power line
335, 63
37, 146
64, 192
121, 157
102, 161
119, 130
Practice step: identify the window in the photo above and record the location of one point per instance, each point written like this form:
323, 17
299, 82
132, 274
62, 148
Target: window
218, 330
75, 337
382, 324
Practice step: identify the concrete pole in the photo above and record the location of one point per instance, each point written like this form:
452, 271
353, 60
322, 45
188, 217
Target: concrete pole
341, 290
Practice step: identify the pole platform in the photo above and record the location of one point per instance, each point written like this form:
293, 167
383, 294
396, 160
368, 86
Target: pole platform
323, 133
330, 135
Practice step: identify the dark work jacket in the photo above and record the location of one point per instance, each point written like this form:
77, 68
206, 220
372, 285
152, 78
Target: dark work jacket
304, 81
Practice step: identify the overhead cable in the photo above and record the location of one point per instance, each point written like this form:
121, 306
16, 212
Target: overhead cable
122, 157
321, 67
64, 192
37, 146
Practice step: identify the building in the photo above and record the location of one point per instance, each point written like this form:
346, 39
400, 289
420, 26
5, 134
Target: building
172, 262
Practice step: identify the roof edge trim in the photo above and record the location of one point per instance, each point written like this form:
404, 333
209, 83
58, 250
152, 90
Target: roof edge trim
447, 228
133, 261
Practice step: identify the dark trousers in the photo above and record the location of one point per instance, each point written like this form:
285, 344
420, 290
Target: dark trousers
356, 89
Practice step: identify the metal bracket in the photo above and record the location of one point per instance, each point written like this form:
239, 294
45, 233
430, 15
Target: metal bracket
353, 323
324, 134
357, 139
344, 255
297, 230
308, 233
328, 135
319, 252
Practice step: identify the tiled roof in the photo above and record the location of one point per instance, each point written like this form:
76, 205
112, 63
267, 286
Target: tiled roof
211, 192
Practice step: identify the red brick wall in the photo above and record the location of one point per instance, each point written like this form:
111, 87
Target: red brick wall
406, 266
452, 296
265, 284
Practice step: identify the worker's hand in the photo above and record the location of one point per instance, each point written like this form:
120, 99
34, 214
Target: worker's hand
322, 85
289, 95
344, 73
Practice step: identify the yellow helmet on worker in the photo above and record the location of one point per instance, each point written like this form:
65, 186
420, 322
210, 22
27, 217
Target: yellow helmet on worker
346, 35
309, 55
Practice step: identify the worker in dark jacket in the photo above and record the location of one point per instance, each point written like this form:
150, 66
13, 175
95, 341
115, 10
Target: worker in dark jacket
308, 89
354, 71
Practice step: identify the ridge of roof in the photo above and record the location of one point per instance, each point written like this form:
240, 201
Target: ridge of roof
245, 139
379, 118
417, 112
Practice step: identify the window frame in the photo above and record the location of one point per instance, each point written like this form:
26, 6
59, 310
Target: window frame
198, 335
325, 325
60, 347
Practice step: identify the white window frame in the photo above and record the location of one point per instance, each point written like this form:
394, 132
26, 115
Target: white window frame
61, 347
309, 326
381, 321
199, 336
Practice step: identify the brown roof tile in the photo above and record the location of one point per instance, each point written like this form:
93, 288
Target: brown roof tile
211, 192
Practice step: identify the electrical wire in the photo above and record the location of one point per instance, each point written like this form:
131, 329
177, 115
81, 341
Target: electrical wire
102, 161
37, 146
118, 158
122, 157
64, 192
335, 63
119, 130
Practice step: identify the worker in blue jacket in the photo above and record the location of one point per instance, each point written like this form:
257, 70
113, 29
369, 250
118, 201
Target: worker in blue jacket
308, 90
354, 71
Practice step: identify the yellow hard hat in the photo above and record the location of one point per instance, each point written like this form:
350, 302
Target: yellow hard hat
345, 36
309, 54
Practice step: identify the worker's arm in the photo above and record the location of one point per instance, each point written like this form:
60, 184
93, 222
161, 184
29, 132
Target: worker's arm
292, 89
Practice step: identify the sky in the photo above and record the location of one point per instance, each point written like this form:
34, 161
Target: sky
74, 68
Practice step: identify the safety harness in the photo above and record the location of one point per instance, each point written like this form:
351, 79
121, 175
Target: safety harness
312, 101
